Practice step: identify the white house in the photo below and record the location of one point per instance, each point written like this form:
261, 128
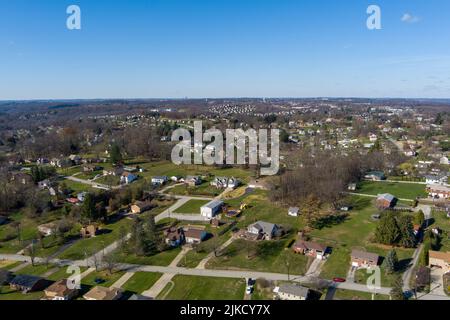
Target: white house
436, 179
211, 209
291, 292
444, 160
293, 211
160, 180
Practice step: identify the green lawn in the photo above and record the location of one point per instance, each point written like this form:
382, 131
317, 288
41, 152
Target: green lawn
342, 294
441, 221
62, 274
90, 246
36, 270
109, 279
398, 189
387, 280
141, 281
337, 264
204, 288
6, 293
169, 169
205, 189
270, 256
160, 259
192, 206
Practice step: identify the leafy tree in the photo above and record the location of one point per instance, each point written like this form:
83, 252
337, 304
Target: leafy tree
397, 289
387, 231
310, 210
391, 262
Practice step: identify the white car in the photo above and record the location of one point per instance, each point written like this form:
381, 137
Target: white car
249, 290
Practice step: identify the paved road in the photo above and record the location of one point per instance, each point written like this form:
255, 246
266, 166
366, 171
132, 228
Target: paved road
91, 183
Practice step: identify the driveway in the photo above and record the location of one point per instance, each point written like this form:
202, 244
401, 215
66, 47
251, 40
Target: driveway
315, 268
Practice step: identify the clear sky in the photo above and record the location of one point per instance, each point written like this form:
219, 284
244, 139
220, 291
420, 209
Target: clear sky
224, 48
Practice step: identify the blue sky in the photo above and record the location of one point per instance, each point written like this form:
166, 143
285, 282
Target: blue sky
224, 48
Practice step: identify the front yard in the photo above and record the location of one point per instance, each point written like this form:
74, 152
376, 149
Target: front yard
203, 288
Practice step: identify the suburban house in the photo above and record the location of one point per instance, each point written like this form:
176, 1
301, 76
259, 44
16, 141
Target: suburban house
174, 237
364, 259
141, 206
193, 181
211, 209
127, 178
117, 171
309, 248
436, 179
439, 260
293, 211
26, 283
89, 231
91, 168
194, 235
386, 201
224, 182
375, 176
22, 178
262, 230
438, 191
103, 294
159, 181
81, 196
47, 229
176, 179
291, 292
139, 297
60, 291
351, 187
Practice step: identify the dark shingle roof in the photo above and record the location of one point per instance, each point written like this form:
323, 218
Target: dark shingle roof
26, 281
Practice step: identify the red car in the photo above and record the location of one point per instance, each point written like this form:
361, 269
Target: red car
338, 279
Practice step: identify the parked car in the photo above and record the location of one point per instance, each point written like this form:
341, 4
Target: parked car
249, 290
339, 280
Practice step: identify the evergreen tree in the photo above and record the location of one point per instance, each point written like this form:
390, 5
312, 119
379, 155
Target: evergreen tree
115, 154
407, 238
89, 210
397, 289
419, 218
391, 262
424, 254
387, 231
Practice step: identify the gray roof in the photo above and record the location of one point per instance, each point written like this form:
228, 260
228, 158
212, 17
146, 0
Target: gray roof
265, 227
294, 290
294, 209
365, 255
213, 204
386, 196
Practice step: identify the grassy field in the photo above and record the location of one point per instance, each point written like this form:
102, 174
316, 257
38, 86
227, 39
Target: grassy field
108, 279
342, 294
83, 247
9, 241
398, 189
387, 280
204, 288
7, 294
205, 189
270, 256
141, 281
169, 169
192, 206
441, 221
160, 259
